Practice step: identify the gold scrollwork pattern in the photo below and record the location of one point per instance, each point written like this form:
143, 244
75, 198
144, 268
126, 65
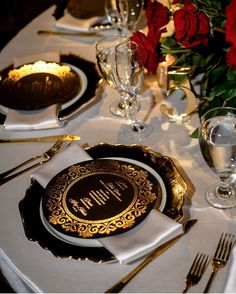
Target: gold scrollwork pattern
56, 195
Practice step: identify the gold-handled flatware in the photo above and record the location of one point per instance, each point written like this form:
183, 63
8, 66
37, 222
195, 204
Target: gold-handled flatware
196, 271
43, 139
221, 256
94, 33
46, 156
157, 252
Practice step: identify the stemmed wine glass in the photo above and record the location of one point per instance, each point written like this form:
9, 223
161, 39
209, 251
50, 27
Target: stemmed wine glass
105, 54
134, 13
116, 11
124, 14
130, 73
217, 140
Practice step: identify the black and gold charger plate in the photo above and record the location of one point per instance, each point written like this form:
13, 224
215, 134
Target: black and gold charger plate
99, 198
177, 185
34, 88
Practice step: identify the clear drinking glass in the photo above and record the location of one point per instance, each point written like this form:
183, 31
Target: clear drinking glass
134, 13
130, 73
105, 53
217, 138
116, 11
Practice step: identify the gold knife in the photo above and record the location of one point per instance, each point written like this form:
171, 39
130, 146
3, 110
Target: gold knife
75, 34
157, 252
42, 139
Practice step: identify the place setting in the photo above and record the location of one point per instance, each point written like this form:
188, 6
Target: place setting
81, 20
102, 198
47, 90
119, 169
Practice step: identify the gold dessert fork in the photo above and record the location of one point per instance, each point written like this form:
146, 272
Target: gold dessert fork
45, 157
196, 271
221, 256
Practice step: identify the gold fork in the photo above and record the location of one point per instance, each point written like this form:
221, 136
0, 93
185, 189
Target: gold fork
221, 256
57, 146
196, 271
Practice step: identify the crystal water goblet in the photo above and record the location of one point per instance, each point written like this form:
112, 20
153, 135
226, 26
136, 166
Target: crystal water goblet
130, 73
116, 11
134, 13
105, 54
217, 138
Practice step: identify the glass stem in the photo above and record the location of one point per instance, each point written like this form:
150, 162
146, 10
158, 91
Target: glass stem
136, 125
224, 190
124, 102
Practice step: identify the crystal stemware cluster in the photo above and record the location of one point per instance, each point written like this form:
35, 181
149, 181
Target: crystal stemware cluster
120, 63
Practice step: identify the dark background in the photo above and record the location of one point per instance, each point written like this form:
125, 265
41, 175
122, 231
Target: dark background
15, 14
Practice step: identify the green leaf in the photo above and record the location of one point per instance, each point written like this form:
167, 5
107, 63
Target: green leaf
194, 134
231, 74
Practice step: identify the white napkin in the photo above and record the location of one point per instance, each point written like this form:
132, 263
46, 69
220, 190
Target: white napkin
156, 229
230, 284
70, 22
38, 119
18, 281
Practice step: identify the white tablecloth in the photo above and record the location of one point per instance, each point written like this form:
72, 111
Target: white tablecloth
95, 125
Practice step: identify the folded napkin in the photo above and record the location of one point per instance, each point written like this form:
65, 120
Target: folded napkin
18, 281
38, 119
70, 22
155, 230
230, 284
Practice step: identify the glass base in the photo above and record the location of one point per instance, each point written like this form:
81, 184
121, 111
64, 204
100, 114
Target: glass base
120, 108
138, 132
214, 199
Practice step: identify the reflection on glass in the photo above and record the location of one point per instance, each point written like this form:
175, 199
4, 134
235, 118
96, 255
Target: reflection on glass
116, 11
105, 53
130, 73
218, 145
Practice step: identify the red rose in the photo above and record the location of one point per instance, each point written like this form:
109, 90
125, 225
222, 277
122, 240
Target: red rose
154, 35
191, 26
230, 25
147, 49
157, 14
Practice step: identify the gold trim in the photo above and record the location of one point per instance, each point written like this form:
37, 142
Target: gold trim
75, 219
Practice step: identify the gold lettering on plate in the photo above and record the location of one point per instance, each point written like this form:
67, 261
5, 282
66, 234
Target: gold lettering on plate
76, 207
112, 189
96, 197
101, 196
126, 177
86, 202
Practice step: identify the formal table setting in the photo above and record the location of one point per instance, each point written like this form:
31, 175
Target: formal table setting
108, 157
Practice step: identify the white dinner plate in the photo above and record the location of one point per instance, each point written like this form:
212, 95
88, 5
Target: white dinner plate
94, 242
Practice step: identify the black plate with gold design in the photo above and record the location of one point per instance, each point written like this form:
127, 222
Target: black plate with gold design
99, 198
34, 86
55, 89
177, 185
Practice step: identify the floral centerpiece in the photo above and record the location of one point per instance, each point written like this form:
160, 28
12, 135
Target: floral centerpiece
200, 34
